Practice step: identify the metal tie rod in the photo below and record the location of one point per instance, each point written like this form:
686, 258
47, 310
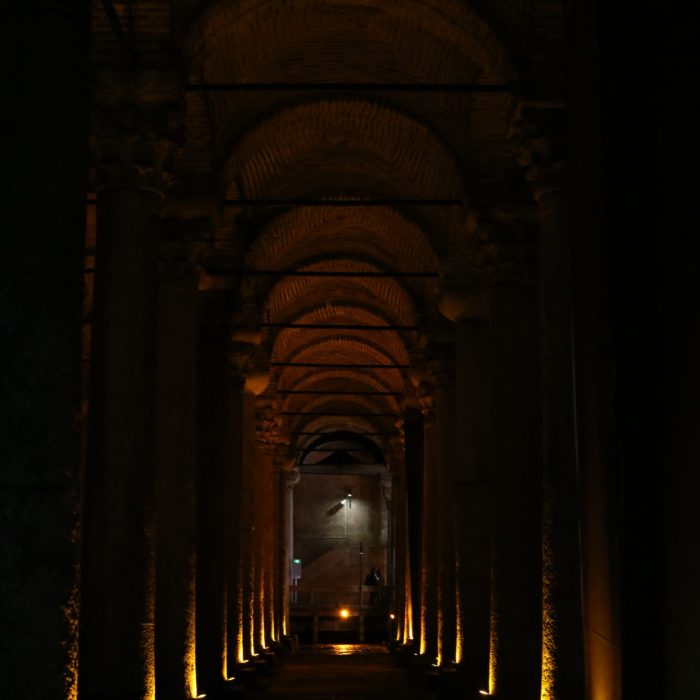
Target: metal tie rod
339, 449
342, 415
333, 365
337, 437
332, 273
300, 202
329, 392
339, 326
359, 87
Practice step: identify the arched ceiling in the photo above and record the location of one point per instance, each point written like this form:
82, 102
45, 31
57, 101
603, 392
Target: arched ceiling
346, 372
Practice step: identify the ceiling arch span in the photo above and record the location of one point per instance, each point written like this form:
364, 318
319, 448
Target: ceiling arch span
378, 235
285, 341
331, 424
381, 417
356, 145
290, 296
341, 380
316, 41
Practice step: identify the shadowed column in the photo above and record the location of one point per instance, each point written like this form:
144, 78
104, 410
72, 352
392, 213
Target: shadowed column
445, 481
538, 136
469, 310
414, 435
216, 440
45, 89
116, 623
516, 595
429, 554
176, 471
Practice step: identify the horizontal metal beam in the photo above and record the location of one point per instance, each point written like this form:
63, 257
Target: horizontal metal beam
320, 392
352, 432
353, 87
339, 449
339, 326
276, 202
300, 202
333, 365
329, 273
342, 415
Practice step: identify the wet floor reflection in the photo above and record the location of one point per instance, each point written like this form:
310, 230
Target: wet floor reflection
346, 649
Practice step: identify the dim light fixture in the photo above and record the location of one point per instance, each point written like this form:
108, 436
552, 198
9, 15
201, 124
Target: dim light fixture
392, 616
485, 692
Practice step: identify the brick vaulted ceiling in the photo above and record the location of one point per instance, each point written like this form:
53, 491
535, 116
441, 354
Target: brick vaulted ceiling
345, 144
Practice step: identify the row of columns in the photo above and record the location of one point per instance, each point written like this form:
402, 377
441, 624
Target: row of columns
178, 566
500, 476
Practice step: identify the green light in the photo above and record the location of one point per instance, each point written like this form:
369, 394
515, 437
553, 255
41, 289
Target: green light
297, 561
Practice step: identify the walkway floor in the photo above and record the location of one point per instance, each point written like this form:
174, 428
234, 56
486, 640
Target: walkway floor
340, 672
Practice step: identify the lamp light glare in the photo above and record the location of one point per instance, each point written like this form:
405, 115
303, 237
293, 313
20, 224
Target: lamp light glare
344, 613
392, 616
484, 692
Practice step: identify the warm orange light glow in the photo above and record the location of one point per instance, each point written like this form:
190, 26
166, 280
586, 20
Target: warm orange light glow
344, 613
484, 692
392, 616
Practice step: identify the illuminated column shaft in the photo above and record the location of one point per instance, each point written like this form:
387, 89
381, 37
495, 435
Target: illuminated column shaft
517, 498
444, 412
265, 521
289, 479
539, 136
414, 436
276, 599
472, 515
402, 589
45, 134
429, 547
236, 553
217, 444
117, 616
176, 474
563, 642
249, 535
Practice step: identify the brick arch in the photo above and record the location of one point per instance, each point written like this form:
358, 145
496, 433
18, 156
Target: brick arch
343, 380
359, 146
290, 295
284, 342
312, 40
379, 235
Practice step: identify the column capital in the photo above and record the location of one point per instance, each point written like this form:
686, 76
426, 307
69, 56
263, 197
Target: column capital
465, 301
426, 401
291, 477
181, 249
538, 135
514, 256
135, 147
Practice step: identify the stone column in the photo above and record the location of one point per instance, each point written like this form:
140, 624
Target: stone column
45, 87
538, 136
414, 436
132, 156
469, 310
444, 496
429, 536
218, 435
265, 524
401, 608
289, 479
247, 486
387, 519
176, 469
516, 590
